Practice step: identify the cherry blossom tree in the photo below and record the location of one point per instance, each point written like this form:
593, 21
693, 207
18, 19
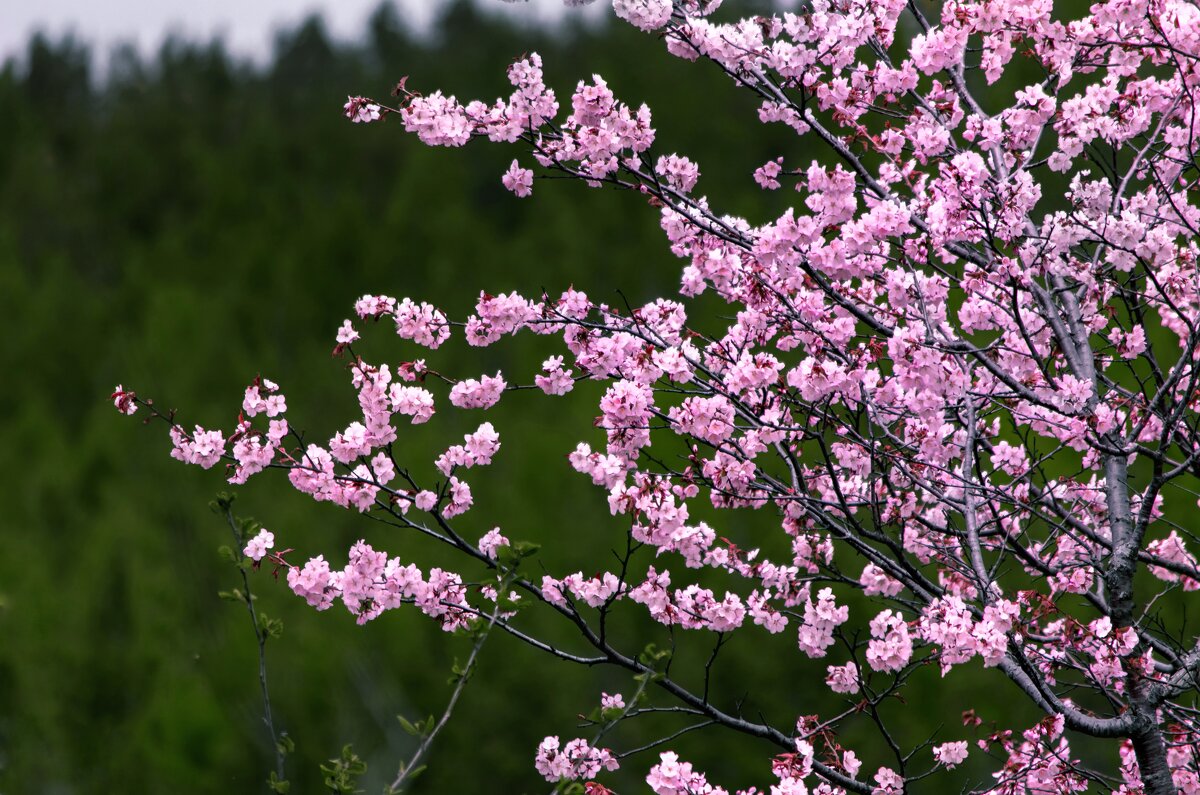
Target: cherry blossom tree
961, 375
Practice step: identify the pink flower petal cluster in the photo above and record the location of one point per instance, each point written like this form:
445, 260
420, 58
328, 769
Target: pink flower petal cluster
491, 541
574, 761
371, 583
256, 548
263, 396
554, 378
644, 14
821, 619
890, 648
203, 448
481, 393
673, 777
125, 400
478, 449
360, 109
950, 754
710, 419
499, 315
518, 180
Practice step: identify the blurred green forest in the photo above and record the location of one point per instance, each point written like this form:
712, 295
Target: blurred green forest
184, 223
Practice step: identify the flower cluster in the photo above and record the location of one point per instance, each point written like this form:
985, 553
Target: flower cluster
574, 761
371, 583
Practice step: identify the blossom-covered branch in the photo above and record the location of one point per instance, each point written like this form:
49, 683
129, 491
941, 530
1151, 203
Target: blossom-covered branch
957, 393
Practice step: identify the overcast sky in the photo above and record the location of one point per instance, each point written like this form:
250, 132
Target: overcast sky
246, 25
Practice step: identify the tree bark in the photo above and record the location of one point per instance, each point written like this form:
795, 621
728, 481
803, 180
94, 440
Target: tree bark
1147, 737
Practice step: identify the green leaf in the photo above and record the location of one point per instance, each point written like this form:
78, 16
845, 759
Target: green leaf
276, 784
507, 604
526, 548
222, 502
418, 729
507, 556
654, 658
610, 714
650, 676
271, 627
473, 627
341, 774
286, 744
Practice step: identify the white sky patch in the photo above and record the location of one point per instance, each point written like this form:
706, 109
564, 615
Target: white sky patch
247, 27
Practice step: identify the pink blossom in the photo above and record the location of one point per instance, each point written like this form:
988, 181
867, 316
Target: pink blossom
478, 394
518, 180
625, 416
1173, 549
890, 648
437, 120
346, 334
422, 323
889, 782
950, 754
383, 469
876, 582
576, 760
554, 378
203, 448
411, 401
314, 583
374, 306
351, 443
360, 109
821, 619
843, 678
491, 541
616, 701
461, 499
672, 777
425, 500
256, 548
767, 175
478, 451
251, 454
125, 400
710, 419
483, 444
644, 14
678, 172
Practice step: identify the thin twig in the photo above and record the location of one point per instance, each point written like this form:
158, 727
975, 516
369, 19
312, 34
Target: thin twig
260, 634
406, 768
